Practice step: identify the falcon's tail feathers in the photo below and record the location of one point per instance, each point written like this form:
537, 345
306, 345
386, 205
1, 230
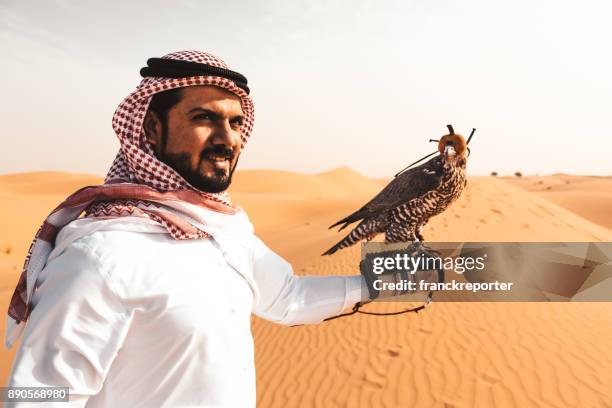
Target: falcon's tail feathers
363, 230
342, 244
356, 216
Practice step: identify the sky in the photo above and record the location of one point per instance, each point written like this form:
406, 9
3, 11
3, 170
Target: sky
355, 83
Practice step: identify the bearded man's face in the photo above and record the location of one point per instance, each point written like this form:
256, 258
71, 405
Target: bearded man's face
200, 136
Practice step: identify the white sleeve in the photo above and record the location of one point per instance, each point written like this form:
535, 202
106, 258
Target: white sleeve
75, 329
289, 299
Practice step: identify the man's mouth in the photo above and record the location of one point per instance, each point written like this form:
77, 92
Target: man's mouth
216, 157
220, 157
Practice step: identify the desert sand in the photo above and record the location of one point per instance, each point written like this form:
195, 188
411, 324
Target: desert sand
588, 196
450, 355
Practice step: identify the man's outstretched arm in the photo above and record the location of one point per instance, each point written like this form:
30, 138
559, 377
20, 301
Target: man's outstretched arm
289, 299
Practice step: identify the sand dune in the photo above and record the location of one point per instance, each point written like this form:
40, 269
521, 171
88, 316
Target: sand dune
489, 210
342, 182
46, 182
451, 355
589, 197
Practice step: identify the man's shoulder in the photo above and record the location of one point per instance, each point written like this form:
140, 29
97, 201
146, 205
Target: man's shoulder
104, 240
117, 240
84, 257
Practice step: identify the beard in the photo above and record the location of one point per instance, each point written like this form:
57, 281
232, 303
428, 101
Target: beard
216, 182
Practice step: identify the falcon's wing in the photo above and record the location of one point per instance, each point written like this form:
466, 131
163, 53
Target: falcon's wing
408, 185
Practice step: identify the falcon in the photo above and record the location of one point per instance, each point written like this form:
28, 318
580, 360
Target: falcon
406, 204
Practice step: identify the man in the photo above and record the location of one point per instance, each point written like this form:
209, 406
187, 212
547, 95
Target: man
146, 300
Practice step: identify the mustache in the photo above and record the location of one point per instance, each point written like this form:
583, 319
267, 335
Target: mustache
218, 150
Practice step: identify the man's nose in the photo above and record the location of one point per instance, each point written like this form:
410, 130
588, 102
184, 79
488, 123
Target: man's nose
225, 135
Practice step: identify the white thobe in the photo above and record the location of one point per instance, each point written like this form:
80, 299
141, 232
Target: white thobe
126, 316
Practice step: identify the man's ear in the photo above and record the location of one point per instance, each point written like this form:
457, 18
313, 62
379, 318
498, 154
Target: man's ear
153, 130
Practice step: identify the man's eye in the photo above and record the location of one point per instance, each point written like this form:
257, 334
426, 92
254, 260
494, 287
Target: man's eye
237, 122
202, 116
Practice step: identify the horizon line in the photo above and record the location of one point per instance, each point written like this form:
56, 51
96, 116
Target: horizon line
323, 172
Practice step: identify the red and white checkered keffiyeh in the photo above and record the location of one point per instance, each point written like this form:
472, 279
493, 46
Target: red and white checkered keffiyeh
137, 184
